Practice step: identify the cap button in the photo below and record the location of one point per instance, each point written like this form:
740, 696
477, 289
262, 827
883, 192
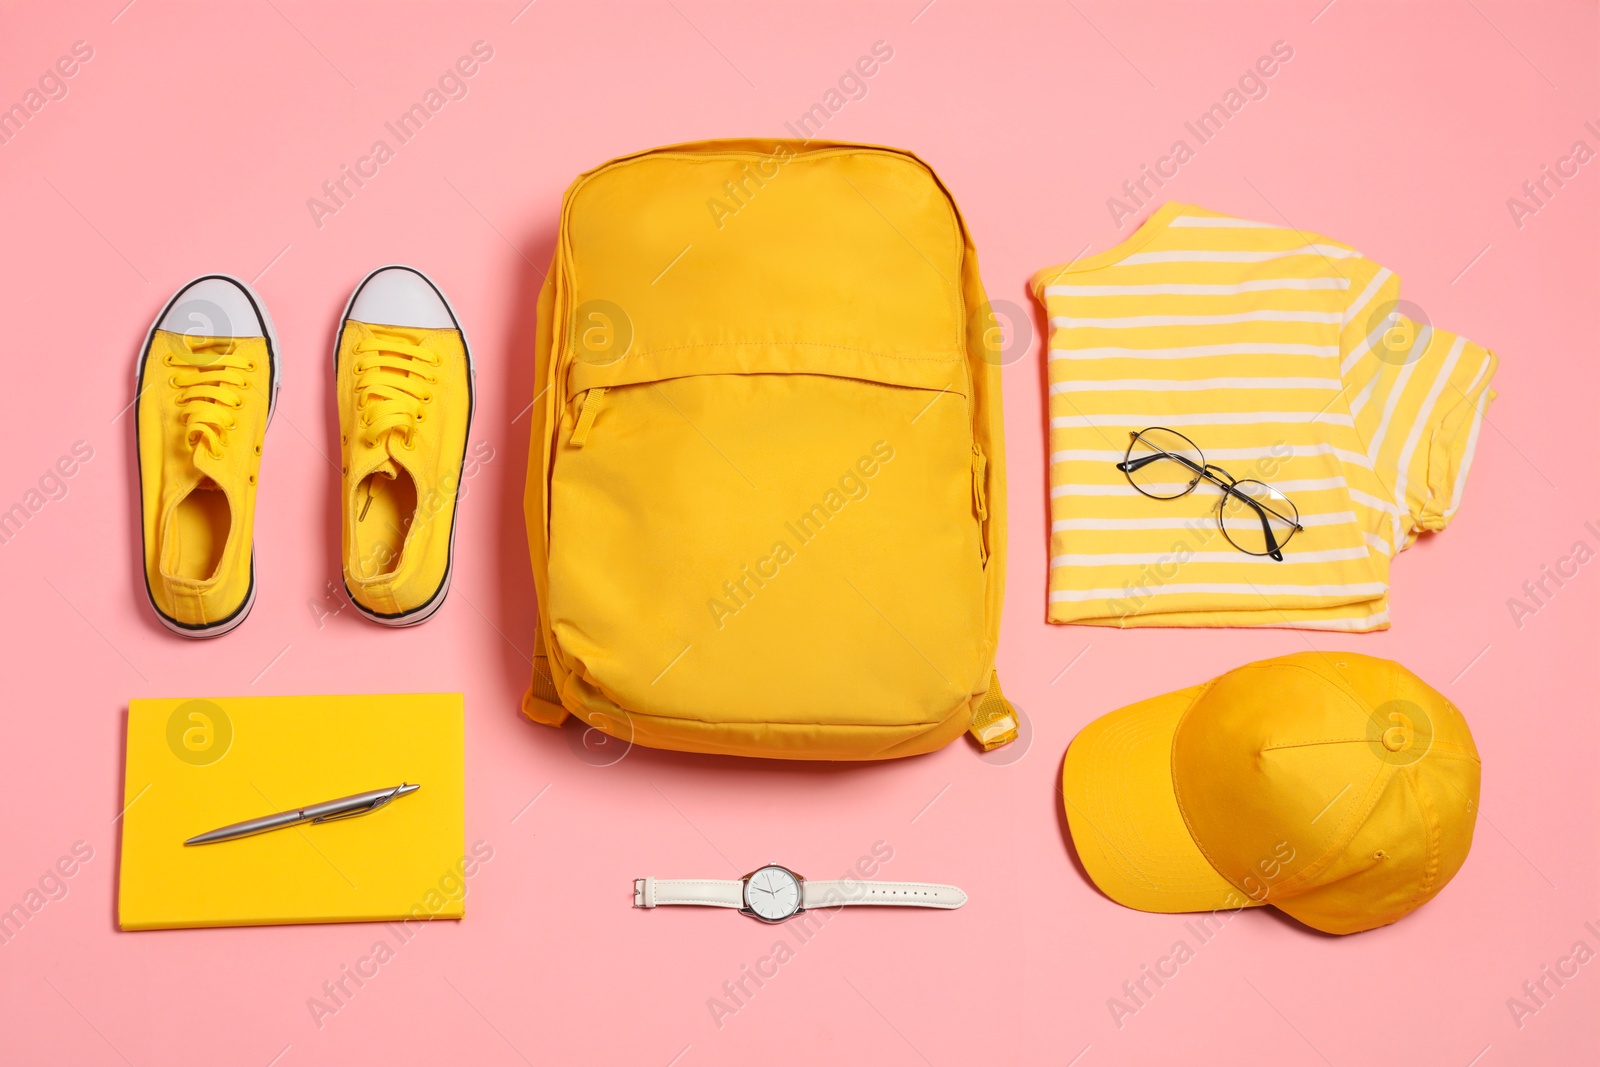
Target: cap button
1397, 738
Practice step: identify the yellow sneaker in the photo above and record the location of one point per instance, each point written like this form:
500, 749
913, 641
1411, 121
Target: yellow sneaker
207, 380
403, 381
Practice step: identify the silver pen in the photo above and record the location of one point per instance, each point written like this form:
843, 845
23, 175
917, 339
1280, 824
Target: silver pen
327, 811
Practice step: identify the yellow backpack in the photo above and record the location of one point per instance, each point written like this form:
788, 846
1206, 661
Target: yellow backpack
766, 486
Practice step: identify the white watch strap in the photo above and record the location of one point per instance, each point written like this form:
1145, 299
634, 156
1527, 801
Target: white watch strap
729, 893
711, 892
893, 894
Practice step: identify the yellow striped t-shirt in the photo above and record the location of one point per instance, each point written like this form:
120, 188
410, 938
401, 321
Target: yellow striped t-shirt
1287, 358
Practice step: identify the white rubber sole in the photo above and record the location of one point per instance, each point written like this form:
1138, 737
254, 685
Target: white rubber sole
426, 611
272, 405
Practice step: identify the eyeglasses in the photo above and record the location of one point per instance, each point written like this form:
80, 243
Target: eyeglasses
1254, 517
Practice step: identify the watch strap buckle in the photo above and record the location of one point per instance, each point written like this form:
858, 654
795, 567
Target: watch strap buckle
644, 892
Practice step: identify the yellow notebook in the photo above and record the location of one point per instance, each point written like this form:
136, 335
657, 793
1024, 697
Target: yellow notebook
195, 765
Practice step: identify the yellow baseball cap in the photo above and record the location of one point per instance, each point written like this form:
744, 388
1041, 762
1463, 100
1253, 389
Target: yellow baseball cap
1339, 788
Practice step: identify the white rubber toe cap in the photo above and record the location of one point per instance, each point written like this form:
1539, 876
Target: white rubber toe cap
401, 296
213, 307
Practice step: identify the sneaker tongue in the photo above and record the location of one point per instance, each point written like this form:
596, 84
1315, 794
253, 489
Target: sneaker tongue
210, 468
381, 462
398, 456
386, 460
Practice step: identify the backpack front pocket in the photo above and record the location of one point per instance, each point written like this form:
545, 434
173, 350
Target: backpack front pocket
775, 547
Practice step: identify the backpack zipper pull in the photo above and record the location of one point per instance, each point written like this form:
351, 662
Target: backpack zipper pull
586, 417
980, 466
980, 500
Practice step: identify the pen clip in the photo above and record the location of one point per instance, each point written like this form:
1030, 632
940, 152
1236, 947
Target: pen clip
366, 809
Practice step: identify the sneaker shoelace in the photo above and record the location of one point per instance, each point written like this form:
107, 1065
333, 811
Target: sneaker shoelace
392, 385
210, 379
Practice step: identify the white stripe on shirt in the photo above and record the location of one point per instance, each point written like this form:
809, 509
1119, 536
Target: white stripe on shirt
1361, 349
1360, 302
1169, 490
1362, 397
1424, 421
1131, 322
1466, 458
1419, 346
1221, 221
1376, 621
1370, 501
1483, 368
1222, 418
1161, 385
1351, 589
1260, 285
1101, 559
1185, 522
1200, 255
1248, 348
1112, 455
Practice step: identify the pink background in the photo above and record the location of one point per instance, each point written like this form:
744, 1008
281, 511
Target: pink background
191, 142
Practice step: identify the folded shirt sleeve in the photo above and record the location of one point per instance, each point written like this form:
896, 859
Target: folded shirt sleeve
1417, 397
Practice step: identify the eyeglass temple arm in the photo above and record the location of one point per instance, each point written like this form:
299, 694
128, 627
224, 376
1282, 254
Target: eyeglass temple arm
1128, 466
1273, 548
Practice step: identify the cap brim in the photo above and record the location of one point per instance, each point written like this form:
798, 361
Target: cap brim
1116, 783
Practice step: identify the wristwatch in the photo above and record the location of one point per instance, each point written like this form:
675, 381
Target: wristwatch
774, 893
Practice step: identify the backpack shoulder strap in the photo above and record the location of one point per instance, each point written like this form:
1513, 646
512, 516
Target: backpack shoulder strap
994, 722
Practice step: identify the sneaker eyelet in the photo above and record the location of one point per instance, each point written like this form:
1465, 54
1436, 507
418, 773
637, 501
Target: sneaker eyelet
258, 450
252, 479
428, 399
172, 381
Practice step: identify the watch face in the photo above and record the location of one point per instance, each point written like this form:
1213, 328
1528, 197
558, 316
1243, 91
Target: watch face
773, 893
